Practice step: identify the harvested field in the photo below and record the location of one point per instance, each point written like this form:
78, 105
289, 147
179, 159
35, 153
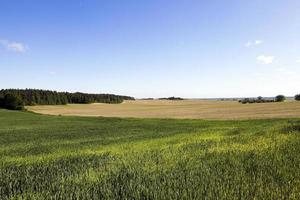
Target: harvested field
189, 109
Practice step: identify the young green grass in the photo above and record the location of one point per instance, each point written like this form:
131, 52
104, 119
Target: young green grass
54, 157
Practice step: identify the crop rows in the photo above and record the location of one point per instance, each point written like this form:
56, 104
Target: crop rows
147, 159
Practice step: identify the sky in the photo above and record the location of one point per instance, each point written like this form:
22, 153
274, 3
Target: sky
152, 48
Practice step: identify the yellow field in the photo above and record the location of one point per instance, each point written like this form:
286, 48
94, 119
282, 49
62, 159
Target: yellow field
192, 109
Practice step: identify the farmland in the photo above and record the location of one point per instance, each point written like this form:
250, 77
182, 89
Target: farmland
189, 109
72, 157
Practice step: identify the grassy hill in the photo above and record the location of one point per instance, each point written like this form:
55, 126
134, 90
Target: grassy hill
57, 157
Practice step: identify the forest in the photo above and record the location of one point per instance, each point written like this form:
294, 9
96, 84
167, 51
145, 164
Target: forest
47, 97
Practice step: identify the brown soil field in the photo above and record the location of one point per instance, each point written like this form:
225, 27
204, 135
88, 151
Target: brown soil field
190, 109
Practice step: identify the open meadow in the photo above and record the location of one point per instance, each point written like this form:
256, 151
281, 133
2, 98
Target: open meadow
190, 109
66, 157
149, 100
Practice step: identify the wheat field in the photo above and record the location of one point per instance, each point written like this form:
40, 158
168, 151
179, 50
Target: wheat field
188, 109
62, 157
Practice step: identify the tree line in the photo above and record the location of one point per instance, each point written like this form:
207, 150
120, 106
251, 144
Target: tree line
47, 97
278, 98
170, 98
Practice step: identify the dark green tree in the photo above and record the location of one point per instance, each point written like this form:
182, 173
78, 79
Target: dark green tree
12, 102
46, 97
280, 98
297, 97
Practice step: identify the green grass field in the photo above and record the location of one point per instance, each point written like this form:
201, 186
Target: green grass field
55, 157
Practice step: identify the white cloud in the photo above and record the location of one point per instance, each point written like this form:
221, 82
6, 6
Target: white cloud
17, 47
253, 43
258, 42
265, 59
298, 61
13, 46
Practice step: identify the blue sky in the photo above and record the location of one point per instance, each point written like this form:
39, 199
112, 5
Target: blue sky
152, 48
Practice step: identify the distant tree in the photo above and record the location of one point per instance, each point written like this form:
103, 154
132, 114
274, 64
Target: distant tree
246, 100
280, 98
12, 102
259, 98
297, 97
171, 98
